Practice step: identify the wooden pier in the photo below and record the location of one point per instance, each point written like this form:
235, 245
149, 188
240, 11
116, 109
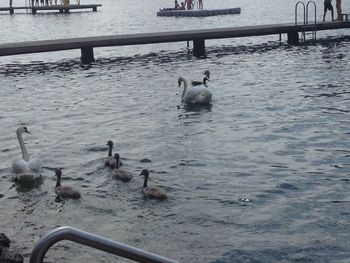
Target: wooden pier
59, 8
86, 44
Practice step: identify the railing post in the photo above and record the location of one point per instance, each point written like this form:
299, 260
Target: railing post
199, 47
87, 55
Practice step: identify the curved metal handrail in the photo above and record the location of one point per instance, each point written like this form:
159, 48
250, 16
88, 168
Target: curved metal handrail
94, 241
296, 12
307, 17
307, 11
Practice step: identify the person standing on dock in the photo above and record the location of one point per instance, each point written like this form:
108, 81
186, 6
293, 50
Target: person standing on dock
339, 11
189, 4
328, 6
10, 3
200, 4
182, 7
177, 6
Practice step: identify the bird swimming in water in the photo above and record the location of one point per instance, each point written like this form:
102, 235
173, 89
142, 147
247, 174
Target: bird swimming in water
120, 173
151, 192
197, 95
65, 191
25, 170
110, 161
198, 83
205, 79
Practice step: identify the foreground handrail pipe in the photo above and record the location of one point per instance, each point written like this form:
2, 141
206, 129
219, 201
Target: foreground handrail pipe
94, 241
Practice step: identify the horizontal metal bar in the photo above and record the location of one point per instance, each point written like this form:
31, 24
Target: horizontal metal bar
94, 241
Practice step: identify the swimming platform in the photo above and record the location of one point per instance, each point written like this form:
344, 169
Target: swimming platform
199, 12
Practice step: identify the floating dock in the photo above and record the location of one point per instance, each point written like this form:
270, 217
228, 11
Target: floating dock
59, 8
200, 12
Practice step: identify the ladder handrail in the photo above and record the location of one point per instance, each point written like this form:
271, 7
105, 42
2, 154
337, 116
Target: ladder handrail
296, 12
307, 17
94, 241
307, 11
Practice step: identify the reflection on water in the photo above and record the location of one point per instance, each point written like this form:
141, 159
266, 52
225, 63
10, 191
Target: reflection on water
26, 186
198, 108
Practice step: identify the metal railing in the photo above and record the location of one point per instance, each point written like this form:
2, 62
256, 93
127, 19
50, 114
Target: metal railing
306, 24
307, 18
296, 12
94, 241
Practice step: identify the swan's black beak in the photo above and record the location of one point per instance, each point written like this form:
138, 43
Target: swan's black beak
26, 130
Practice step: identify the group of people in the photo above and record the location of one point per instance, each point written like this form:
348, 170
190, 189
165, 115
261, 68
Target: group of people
187, 5
328, 6
48, 2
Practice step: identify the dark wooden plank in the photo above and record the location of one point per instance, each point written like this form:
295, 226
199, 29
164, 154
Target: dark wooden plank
160, 37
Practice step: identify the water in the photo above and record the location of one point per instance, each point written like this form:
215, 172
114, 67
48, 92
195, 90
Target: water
261, 176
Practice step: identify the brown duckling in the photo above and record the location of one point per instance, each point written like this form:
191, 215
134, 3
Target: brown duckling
197, 83
151, 191
65, 191
110, 161
120, 173
205, 79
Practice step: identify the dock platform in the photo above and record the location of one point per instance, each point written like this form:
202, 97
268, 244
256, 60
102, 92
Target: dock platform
86, 44
59, 8
199, 12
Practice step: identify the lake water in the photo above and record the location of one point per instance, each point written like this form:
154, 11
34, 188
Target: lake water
262, 175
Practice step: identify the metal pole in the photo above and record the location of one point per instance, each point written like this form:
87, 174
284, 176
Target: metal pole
94, 241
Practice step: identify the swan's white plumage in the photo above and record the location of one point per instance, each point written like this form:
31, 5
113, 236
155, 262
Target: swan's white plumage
25, 170
196, 94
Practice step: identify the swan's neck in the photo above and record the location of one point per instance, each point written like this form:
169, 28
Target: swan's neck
58, 182
185, 88
110, 151
23, 147
116, 165
145, 181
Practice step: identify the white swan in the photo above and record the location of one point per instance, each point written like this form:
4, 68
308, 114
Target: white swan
195, 95
26, 169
